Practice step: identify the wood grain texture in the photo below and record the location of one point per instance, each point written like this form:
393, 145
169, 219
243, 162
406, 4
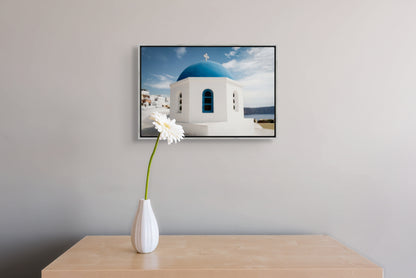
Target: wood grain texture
307, 256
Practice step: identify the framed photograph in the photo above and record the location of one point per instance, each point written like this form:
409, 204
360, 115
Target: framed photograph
212, 91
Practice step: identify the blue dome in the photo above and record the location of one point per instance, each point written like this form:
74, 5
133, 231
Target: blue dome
205, 69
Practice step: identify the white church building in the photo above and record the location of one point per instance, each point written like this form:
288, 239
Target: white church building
206, 101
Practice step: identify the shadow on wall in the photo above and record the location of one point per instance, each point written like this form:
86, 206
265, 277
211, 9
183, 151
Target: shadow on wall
29, 259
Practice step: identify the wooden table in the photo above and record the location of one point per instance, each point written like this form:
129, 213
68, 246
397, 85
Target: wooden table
309, 256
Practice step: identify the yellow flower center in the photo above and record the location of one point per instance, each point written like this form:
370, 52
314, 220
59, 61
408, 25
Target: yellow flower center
166, 125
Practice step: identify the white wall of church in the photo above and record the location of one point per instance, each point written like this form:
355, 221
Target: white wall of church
181, 115
192, 89
236, 114
218, 86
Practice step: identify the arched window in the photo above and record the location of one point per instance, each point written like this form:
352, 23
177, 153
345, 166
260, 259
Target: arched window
180, 103
207, 101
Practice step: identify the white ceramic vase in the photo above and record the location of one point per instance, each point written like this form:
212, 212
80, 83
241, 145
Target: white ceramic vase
145, 232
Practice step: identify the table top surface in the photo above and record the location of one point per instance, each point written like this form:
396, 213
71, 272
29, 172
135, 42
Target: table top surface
251, 252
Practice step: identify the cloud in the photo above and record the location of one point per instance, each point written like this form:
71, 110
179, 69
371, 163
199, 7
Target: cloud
232, 53
256, 59
180, 51
258, 89
255, 71
162, 81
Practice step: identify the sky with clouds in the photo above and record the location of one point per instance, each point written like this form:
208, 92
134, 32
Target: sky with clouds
253, 67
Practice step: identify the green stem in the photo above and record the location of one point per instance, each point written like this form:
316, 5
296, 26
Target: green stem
148, 167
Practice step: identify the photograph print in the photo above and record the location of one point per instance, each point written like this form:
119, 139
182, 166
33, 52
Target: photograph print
212, 91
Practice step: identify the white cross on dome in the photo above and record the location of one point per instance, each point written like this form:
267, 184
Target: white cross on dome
206, 57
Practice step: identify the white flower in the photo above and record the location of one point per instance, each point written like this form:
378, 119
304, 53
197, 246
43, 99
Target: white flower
167, 128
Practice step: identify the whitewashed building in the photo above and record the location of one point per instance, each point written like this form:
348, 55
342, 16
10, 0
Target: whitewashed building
206, 101
155, 101
151, 103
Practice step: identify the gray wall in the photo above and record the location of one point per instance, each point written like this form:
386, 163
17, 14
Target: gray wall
343, 164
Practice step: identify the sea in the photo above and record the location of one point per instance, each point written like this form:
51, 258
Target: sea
260, 116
